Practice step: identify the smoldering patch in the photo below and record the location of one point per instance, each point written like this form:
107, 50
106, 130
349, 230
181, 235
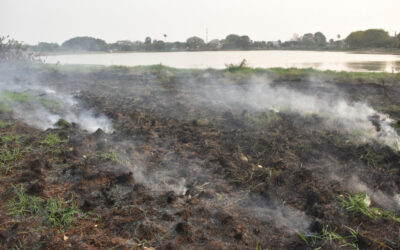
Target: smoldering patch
42, 107
360, 120
165, 171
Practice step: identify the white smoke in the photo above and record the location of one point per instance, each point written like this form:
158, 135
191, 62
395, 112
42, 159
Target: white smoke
357, 118
384, 200
43, 107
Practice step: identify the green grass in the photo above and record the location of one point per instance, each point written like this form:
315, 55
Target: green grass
332, 76
357, 206
62, 123
263, 119
242, 69
372, 158
20, 97
9, 98
109, 156
53, 143
4, 124
391, 108
7, 138
7, 157
396, 127
330, 237
50, 104
61, 214
23, 204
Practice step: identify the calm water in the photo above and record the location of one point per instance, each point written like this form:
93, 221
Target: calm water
219, 59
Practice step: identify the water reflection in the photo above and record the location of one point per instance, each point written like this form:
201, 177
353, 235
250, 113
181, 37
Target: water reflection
367, 66
309, 65
396, 67
338, 61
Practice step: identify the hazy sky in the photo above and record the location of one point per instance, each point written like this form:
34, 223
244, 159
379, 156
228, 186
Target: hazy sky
32, 21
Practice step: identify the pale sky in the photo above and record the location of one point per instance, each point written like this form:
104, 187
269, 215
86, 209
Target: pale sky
33, 21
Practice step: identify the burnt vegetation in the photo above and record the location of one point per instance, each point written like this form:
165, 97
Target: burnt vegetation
191, 165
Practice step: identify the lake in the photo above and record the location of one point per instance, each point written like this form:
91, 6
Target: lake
320, 60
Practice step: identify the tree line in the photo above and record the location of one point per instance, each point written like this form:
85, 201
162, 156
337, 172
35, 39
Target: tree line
372, 38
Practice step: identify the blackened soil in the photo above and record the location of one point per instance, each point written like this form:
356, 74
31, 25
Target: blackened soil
192, 173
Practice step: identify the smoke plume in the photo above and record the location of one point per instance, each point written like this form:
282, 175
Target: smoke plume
42, 107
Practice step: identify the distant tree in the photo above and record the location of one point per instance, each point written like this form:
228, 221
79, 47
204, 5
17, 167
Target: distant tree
123, 45
289, 44
147, 40
244, 42
355, 39
319, 39
195, 43
376, 38
178, 46
231, 41
308, 39
158, 45
234, 41
261, 45
372, 38
214, 44
85, 43
47, 47
147, 43
397, 41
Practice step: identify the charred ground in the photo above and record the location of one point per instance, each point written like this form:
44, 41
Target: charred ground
187, 166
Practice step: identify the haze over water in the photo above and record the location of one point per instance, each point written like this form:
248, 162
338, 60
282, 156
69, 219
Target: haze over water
338, 61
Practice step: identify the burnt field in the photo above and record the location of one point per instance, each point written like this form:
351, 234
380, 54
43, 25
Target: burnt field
154, 157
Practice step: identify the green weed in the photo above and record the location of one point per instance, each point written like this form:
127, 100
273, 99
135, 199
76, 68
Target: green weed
53, 143
62, 123
372, 159
396, 127
20, 246
9, 98
263, 119
23, 204
330, 236
241, 67
109, 156
4, 124
9, 156
7, 138
357, 205
51, 140
19, 97
49, 103
398, 240
60, 213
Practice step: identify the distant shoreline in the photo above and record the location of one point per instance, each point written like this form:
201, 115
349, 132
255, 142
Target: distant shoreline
362, 51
